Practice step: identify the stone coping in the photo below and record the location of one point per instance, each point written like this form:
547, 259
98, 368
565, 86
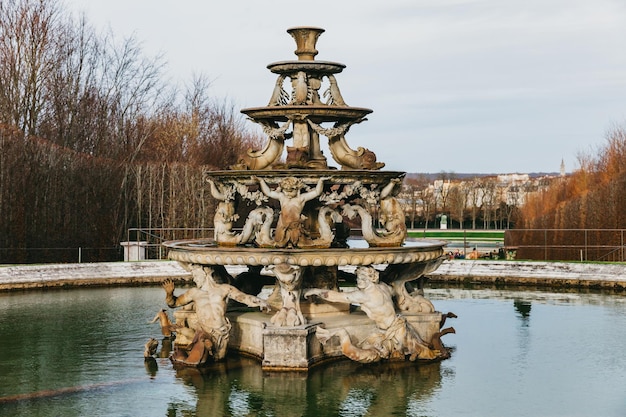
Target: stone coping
569, 274
15, 277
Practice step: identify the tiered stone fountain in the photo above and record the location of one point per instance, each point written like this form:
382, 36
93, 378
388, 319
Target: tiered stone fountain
294, 213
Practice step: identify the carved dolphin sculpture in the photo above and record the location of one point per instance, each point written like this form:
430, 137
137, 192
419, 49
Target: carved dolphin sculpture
369, 233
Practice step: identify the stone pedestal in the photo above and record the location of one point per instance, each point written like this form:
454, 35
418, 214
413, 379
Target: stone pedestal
134, 251
443, 224
290, 348
278, 348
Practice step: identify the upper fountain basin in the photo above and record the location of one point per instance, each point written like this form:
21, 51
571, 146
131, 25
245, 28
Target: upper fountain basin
317, 113
310, 67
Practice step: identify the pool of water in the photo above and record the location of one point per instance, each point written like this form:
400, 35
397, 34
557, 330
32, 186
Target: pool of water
79, 352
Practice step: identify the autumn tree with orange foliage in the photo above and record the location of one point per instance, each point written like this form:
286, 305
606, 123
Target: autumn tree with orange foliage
592, 197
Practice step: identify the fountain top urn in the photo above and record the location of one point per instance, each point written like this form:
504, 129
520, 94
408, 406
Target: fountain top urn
306, 38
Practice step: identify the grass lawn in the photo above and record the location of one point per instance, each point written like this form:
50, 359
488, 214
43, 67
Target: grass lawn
496, 235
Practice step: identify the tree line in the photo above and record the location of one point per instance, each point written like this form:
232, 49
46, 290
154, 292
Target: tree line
94, 142
592, 197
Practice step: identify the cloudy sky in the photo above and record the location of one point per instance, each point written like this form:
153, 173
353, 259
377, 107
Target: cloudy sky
480, 86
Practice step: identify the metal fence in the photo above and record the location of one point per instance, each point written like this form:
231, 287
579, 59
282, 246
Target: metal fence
147, 240
598, 245
76, 254
152, 238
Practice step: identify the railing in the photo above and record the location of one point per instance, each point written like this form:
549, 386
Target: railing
597, 245
76, 254
152, 238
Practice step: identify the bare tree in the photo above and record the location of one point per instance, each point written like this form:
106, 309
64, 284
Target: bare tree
457, 198
409, 197
28, 32
489, 200
474, 198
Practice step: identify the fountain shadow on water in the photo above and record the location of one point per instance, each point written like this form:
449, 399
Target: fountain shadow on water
239, 386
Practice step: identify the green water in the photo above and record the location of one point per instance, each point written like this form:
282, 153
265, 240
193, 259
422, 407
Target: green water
516, 353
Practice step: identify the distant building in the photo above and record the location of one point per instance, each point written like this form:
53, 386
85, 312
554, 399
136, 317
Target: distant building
490, 198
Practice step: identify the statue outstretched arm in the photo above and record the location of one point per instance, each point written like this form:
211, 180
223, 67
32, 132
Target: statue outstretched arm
388, 189
317, 191
333, 296
215, 192
266, 189
320, 185
247, 299
173, 301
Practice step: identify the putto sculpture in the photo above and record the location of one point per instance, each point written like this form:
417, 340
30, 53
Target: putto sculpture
290, 227
288, 216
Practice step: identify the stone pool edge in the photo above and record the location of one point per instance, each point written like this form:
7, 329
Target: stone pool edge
22, 277
554, 274
558, 274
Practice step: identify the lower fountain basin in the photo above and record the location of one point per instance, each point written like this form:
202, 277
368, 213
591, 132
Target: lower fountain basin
289, 341
206, 251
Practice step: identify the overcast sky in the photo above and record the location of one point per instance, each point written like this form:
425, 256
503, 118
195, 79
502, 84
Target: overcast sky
481, 86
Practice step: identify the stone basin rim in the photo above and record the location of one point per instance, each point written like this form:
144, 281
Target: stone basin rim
317, 66
185, 251
319, 113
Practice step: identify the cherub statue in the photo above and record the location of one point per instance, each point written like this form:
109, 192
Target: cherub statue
391, 212
289, 225
225, 215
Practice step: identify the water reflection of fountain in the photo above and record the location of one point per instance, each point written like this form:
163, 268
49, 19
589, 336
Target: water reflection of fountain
239, 386
291, 215
523, 308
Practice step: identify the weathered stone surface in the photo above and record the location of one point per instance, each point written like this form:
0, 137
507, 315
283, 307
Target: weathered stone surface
297, 348
533, 273
102, 273
289, 348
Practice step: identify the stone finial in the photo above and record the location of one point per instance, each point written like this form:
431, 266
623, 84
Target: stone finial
306, 38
